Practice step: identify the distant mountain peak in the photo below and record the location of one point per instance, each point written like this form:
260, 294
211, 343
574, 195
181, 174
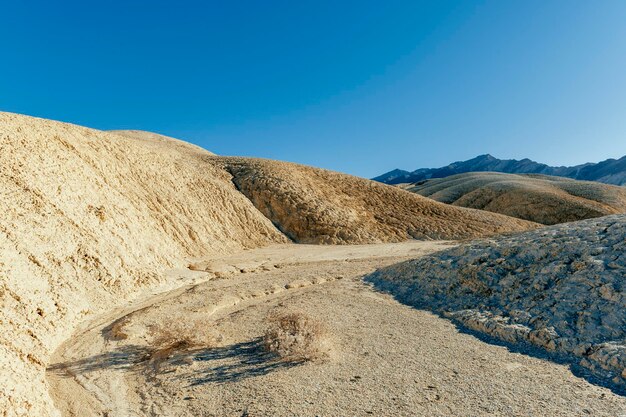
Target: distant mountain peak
397, 171
610, 171
391, 176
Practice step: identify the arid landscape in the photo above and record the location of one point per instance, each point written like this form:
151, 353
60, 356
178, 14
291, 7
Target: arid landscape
313, 209
142, 275
381, 357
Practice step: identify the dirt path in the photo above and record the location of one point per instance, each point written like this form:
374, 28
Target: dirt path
386, 359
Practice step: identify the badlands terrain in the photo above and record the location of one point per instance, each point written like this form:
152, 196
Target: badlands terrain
113, 242
539, 198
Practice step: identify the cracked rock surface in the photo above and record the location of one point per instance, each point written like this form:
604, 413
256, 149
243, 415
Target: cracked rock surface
560, 288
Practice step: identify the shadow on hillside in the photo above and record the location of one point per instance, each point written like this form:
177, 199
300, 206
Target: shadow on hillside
536, 352
523, 348
218, 365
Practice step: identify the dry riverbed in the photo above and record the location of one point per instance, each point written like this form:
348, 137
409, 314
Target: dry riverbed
385, 358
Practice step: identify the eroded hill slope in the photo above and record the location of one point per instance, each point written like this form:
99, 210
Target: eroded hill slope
539, 198
89, 218
313, 205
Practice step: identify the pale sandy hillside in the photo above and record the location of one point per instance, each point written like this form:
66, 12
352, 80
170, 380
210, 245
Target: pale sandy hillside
91, 219
539, 198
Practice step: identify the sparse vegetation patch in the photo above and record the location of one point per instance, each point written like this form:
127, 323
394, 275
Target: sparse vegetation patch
180, 334
297, 337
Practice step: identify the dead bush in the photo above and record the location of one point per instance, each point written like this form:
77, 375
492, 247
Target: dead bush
180, 335
296, 337
115, 330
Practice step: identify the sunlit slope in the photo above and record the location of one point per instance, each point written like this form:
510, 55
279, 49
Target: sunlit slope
318, 206
150, 137
88, 218
539, 198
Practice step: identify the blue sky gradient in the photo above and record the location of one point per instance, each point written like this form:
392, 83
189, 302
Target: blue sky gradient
355, 86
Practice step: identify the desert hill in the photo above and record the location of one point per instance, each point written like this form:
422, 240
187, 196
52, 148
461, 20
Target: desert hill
91, 219
559, 288
610, 171
312, 205
539, 198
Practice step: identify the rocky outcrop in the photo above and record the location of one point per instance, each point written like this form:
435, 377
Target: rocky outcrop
561, 288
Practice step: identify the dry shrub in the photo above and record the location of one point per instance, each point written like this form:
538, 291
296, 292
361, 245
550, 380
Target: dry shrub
296, 337
179, 335
116, 329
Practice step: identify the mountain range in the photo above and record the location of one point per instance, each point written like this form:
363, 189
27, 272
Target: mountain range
610, 171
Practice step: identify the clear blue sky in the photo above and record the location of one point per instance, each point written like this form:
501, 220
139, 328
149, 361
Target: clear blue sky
355, 86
